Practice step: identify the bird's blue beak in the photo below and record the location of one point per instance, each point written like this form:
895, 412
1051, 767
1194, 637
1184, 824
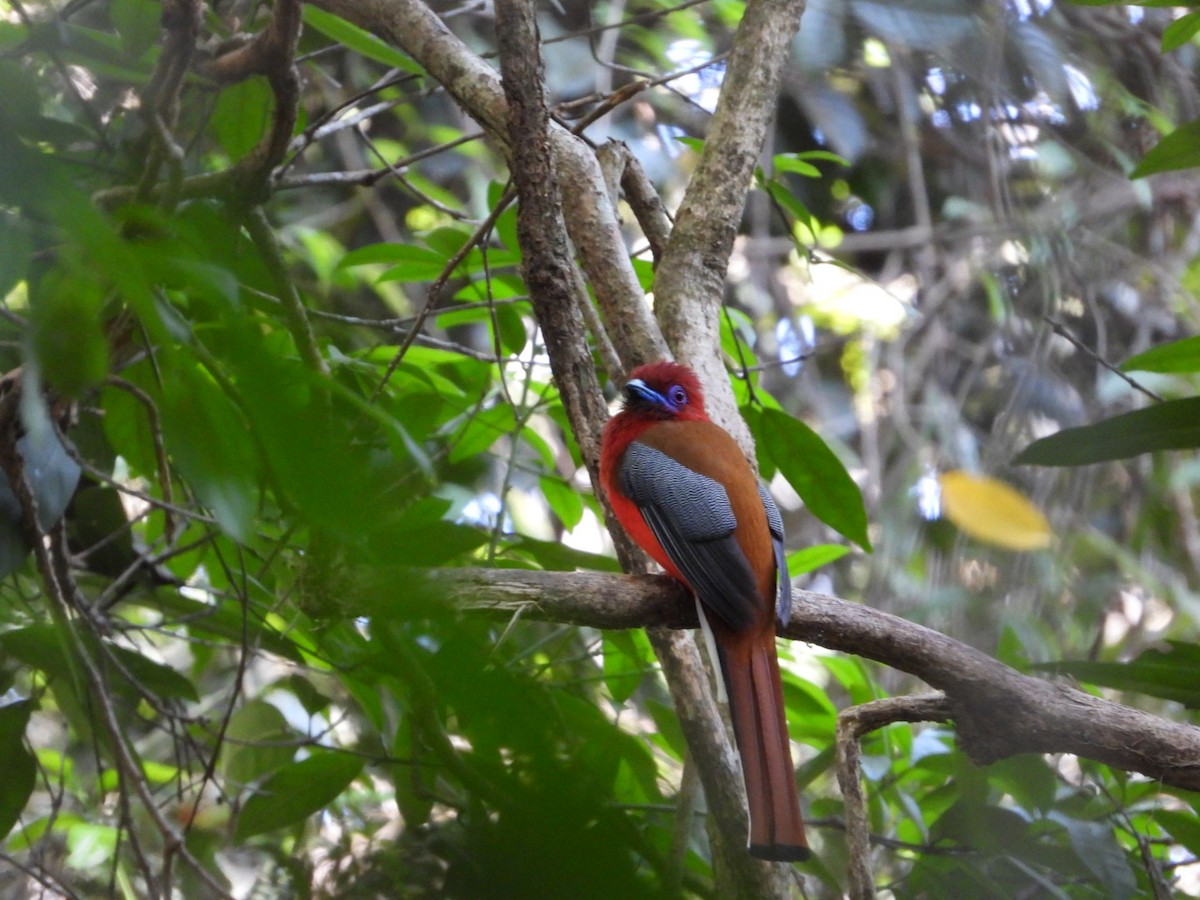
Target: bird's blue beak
637, 390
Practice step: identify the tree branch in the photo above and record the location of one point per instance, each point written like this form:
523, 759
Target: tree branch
546, 264
852, 725
997, 710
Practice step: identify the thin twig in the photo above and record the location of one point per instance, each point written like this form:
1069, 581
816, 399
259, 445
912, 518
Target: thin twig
435, 289
160, 450
210, 767
41, 876
295, 313
104, 478
1062, 331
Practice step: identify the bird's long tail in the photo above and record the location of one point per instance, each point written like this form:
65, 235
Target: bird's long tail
751, 674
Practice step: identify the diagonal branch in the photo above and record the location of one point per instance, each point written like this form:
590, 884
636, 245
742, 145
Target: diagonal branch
49, 551
997, 711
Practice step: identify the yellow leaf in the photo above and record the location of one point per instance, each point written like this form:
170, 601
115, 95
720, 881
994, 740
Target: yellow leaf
991, 511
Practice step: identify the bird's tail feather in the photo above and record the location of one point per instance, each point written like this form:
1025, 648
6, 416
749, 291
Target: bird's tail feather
760, 727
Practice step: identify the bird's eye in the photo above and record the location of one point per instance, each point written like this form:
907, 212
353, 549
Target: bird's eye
677, 395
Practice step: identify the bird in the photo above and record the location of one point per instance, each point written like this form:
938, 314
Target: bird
684, 491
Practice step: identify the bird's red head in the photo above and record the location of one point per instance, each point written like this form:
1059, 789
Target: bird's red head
665, 390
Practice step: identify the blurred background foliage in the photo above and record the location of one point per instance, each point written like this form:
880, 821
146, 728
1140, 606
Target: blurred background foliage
944, 260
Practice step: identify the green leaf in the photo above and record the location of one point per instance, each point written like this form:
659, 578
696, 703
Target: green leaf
241, 116
22, 108
302, 443
68, 338
1027, 777
90, 846
297, 792
555, 556
12, 34
811, 715
814, 557
259, 742
1096, 845
644, 270
627, 661
980, 827
375, 254
428, 543
792, 204
816, 474
225, 621
510, 325
154, 676
481, 431
407, 263
1178, 150
411, 778
138, 23
362, 42
428, 265
154, 772
852, 675
563, 499
210, 441
447, 240
824, 155
1180, 32
455, 317
42, 647
1177, 356
99, 522
306, 692
20, 769
1170, 674
1172, 425
786, 162
16, 248
1184, 827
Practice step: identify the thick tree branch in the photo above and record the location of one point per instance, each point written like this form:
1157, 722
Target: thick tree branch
546, 263
998, 711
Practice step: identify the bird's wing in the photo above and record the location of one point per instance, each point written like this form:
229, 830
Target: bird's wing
783, 582
691, 517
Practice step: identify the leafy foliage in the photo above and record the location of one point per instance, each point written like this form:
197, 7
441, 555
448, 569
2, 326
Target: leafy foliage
251, 440
1173, 425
